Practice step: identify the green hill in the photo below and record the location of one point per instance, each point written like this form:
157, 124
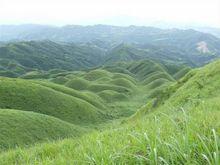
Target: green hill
28, 96
200, 84
96, 74
156, 75
20, 128
180, 126
77, 83
112, 96
143, 68
87, 96
123, 82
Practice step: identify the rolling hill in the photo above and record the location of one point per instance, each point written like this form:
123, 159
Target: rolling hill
28, 96
20, 128
182, 127
69, 104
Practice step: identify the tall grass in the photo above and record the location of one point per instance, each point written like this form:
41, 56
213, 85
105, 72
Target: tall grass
180, 136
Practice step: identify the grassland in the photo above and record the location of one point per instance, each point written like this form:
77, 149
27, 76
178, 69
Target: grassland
179, 126
86, 99
21, 128
145, 113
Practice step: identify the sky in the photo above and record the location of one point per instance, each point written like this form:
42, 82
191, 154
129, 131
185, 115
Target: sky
114, 12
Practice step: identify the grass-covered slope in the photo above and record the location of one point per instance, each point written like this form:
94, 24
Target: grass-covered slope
123, 90
202, 84
20, 128
181, 128
28, 96
87, 96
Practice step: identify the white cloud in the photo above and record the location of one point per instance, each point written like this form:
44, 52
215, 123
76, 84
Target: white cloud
109, 11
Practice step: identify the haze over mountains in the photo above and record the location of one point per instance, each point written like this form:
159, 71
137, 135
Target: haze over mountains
78, 33
27, 48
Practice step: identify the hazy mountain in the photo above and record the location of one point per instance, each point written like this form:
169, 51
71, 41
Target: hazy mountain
213, 31
76, 33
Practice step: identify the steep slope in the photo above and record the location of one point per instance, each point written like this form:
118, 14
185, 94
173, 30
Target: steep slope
196, 86
20, 128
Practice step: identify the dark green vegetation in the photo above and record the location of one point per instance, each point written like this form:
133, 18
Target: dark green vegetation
44, 55
132, 98
92, 46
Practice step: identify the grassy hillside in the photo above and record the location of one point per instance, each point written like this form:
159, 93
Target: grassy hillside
84, 95
179, 126
20, 128
124, 90
25, 95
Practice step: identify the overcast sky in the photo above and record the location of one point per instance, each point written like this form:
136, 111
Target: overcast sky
116, 12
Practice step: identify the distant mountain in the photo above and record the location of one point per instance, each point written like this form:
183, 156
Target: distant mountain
128, 52
107, 36
213, 31
27, 48
20, 57
107, 33
160, 52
